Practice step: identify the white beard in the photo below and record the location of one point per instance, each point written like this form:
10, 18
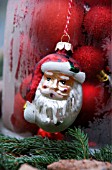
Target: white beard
54, 115
56, 110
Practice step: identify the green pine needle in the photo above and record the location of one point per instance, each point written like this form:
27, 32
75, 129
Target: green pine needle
80, 142
104, 154
40, 152
10, 162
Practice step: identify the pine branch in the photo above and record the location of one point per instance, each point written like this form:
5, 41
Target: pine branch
104, 154
37, 145
10, 162
80, 142
40, 152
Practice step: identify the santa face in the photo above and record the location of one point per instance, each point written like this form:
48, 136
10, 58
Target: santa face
56, 85
57, 102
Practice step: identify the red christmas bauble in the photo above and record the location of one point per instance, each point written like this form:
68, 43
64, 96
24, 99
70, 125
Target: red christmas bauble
95, 99
55, 136
49, 23
17, 119
90, 59
97, 22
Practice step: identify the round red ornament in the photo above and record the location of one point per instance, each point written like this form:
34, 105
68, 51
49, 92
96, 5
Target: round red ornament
91, 61
95, 97
97, 22
55, 136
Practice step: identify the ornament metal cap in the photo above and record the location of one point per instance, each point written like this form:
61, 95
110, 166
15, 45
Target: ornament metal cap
64, 45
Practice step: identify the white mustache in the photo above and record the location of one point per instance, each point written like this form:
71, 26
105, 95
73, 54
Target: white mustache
61, 93
49, 91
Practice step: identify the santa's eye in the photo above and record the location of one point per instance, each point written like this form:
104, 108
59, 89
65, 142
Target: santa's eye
63, 82
48, 78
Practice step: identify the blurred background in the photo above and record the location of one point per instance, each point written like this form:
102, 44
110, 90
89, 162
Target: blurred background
3, 6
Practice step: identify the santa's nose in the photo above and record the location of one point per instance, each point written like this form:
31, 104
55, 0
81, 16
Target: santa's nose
54, 84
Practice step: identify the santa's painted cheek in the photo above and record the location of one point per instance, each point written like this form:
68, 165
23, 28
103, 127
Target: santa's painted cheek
65, 90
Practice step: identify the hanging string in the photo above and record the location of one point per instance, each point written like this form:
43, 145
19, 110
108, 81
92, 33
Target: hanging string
67, 21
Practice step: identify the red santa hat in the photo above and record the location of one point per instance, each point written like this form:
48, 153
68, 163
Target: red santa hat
66, 67
58, 61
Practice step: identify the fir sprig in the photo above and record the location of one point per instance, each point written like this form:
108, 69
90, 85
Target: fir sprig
76, 149
10, 162
39, 152
104, 154
80, 142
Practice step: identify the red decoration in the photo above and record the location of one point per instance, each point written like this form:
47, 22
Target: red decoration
90, 93
97, 22
17, 118
49, 22
94, 97
55, 136
91, 61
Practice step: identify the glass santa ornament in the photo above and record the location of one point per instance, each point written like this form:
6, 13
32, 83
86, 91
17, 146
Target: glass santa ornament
54, 98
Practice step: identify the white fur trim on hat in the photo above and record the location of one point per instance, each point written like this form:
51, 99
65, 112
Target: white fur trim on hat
63, 67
